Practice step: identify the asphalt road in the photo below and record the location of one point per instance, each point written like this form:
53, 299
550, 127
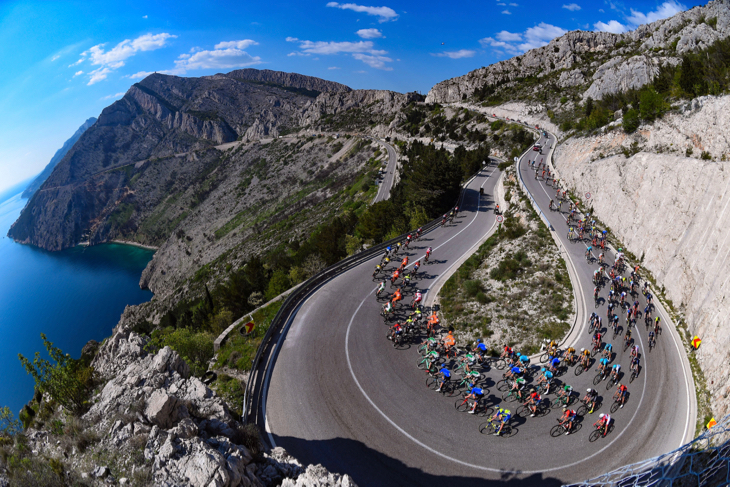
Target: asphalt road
387, 183
339, 394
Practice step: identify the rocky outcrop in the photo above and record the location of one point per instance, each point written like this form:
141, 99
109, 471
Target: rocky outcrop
57, 157
681, 202
293, 80
378, 101
186, 433
620, 69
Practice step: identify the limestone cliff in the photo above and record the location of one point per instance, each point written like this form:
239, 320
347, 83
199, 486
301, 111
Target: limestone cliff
598, 63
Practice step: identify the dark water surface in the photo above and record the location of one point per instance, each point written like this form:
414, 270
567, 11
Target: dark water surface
72, 296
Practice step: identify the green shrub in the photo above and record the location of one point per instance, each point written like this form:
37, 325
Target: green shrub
631, 121
473, 288
196, 348
706, 156
482, 298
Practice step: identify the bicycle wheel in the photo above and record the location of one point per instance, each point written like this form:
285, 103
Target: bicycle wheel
461, 405
544, 357
487, 428
502, 385
523, 411
500, 364
423, 364
597, 379
508, 396
633, 376
595, 434
423, 348
449, 389
507, 431
557, 430
615, 406
582, 410
432, 383
594, 351
579, 369
611, 382
558, 402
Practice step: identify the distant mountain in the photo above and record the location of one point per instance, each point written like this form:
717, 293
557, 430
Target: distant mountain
37, 182
291, 80
158, 118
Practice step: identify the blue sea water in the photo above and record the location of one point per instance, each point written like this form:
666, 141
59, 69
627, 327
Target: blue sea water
72, 296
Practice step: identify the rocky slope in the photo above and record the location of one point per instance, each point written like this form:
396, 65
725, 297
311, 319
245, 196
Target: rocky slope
292, 80
598, 63
57, 157
152, 423
157, 118
670, 209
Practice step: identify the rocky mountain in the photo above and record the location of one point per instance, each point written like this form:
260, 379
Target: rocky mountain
57, 157
292, 80
597, 63
159, 117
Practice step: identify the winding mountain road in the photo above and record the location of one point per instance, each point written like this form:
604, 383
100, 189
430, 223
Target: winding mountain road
339, 394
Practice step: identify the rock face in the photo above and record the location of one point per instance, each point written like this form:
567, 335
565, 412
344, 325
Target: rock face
292, 80
157, 118
682, 203
575, 51
57, 157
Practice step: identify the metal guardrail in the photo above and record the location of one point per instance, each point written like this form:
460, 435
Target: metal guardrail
293, 300
705, 461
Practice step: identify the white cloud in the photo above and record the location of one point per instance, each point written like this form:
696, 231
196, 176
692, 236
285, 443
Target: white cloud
115, 57
333, 67
513, 5
291, 39
139, 75
236, 44
144, 16
665, 10
491, 42
116, 95
601, 10
369, 33
97, 75
501, 4
78, 73
385, 13
374, 61
360, 72
613, 26
361, 50
55, 57
219, 58
506, 12
540, 35
462, 53
508, 36
572, 7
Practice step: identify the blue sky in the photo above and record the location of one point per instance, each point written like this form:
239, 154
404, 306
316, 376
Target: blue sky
64, 61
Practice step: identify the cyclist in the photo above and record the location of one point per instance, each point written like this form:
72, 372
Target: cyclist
378, 268
554, 364
607, 351
597, 339
404, 263
381, 288
635, 364
657, 326
565, 393
513, 373
652, 338
591, 398
503, 415
476, 393
507, 352
600, 259
518, 385
616, 372
446, 377
620, 395
394, 277
496, 209
406, 280
397, 296
595, 294
415, 267
387, 308
532, 402
428, 253
627, 338
585, 357
418, 232
567, 419
588, 253
635, 351
395, 331
569, 355
552, 348
416, 299
546, 378
480, 349
604, 420
433, 320
524, 360
449, 341
550, 205
603, 366
570, 233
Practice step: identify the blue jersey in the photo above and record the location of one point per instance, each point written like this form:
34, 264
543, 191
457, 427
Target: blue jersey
524, 358
604, 361
548, 374
477, 391
446, 372
482, 347
515, 370
556, 362
608, 347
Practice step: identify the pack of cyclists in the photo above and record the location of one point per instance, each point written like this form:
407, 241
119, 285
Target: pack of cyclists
536, 388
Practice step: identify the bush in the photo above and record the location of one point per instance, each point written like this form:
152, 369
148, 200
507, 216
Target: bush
473, 288
482, 298
651, 105
631, 121
196, 348
705, 156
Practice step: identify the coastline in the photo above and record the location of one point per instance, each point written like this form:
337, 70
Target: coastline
134, 244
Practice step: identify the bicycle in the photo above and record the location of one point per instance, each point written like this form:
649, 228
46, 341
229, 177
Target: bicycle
561, 401
490, 428
585, 408
612, 381
513, 395
463, 405
596, 433
634, 374
561, 428
652, 343
628, 343
540, 410
596, 348
616, 402
599, 377
447, 388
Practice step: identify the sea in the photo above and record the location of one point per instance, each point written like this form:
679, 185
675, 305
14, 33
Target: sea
72, 296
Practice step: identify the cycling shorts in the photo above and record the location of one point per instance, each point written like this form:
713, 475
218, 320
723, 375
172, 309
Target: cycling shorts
447, 378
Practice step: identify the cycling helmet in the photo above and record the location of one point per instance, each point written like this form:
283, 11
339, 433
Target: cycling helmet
601, 415
589, 390
582, 350
565, 408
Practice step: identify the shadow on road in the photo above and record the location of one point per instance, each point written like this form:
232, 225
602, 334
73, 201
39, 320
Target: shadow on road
376, 468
